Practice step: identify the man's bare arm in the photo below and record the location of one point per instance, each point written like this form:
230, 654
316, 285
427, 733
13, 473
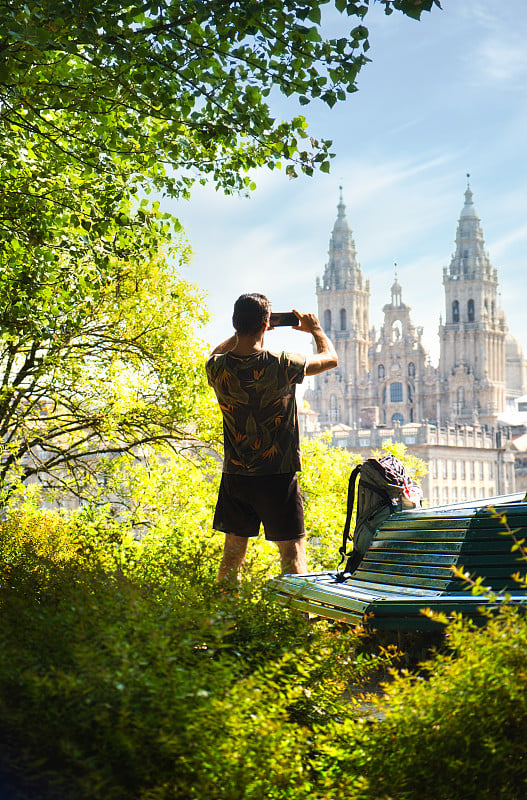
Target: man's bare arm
326, 356
225, 346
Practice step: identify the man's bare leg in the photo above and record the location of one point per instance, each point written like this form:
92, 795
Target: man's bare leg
234, 552
293, 556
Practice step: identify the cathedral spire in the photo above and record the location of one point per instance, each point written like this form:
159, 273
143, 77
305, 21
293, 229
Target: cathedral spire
342, 270
396, 290
470, 259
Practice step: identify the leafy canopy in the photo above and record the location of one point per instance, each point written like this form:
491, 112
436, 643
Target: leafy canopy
143, 88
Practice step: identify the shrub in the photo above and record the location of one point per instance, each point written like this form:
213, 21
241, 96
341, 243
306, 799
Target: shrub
119, 686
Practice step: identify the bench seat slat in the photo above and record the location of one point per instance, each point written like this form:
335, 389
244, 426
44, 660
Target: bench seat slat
428, 582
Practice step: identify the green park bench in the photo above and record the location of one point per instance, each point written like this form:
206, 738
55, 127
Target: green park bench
408, 568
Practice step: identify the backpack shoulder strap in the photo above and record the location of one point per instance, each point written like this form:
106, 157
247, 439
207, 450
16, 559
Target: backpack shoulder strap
351, 502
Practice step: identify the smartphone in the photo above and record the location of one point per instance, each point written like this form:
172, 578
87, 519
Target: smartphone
283, 318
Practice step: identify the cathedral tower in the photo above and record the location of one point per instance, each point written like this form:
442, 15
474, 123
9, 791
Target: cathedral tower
343, 310
403, 384
472, 338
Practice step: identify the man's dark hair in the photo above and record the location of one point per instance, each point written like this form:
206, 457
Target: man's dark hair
251, 312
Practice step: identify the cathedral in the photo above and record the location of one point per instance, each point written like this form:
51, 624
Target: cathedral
385, 379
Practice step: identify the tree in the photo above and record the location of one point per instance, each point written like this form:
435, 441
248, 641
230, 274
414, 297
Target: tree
98, 350
141, 89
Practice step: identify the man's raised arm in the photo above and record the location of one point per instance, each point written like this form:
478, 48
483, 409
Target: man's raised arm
225, 346
326, 356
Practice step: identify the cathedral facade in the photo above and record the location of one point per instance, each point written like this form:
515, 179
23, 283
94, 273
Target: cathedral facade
385, 379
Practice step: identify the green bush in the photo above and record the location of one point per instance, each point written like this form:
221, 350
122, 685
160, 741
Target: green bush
454, 729
116, 685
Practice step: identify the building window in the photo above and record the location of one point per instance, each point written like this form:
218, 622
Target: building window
470, 311
435, 495
481, 475
472, 493
490, 470
434, 468
445, 468
398, 418
463, 473
380, 371
472, 470
445, 494
396, 392
411, 370
463, 493
327, 320
455, 311
342, 319
454, 469
454, 494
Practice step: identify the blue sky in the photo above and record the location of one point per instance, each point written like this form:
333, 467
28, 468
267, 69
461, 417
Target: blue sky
441, 97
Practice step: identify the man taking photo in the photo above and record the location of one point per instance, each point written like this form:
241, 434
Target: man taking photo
255, 389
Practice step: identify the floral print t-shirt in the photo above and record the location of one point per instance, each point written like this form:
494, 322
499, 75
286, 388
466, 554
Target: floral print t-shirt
256, 395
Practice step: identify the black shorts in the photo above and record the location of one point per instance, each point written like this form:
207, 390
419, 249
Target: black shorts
245, 501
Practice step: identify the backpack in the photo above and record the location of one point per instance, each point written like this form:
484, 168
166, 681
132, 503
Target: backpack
384, 487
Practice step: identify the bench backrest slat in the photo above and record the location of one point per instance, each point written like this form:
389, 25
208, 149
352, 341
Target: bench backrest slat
418, 548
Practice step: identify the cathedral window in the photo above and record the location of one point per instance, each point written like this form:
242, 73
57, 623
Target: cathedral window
398, 419
470, 311
380, 371
411, 370
333, 409
455, 311
327, 320
342, 319
396, 392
